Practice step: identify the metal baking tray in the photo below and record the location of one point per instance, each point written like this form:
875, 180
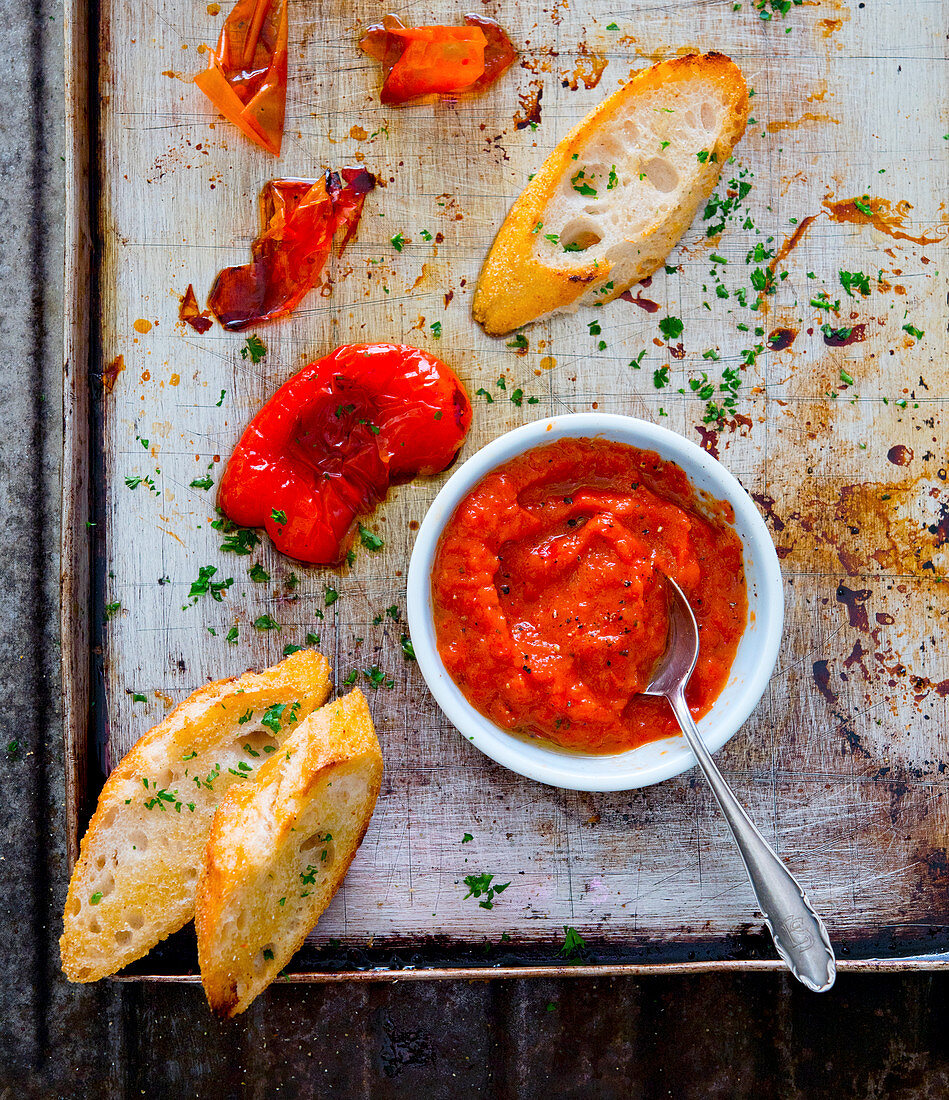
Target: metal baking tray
843, 763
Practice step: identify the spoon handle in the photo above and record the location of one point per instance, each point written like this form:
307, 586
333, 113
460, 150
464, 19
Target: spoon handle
798, 932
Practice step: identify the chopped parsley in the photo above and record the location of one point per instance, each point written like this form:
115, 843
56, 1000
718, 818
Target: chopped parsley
273, 715
112, 609
858, 280
482, 392
266, 622
660, 378
96, 898
436, 327
290, 648
201, 482
398, 242
914, 331
278, 515
330, 596
823, 302
253, 349
408, 650
245, 718
519, 343
377, 678
312, 639
205, 586
581, 186
467, 838
671, 327
369, 540
573, 943
258, 573
613, 179
232, 636
237, 540
863, 205
479, 885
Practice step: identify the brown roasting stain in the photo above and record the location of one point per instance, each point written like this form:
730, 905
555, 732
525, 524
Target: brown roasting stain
796, 123
821, 672
855, 600
644, 303
940, 529
589, 70
358, 133
845, 336
900, 455
708, 439
112, 372
529, 112
766, 503
862, 527
885, 216
781, 338
791, 242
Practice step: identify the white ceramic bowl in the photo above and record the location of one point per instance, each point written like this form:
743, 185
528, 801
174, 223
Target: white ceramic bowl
658, 760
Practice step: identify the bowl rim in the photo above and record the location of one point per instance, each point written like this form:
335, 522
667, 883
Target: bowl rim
535, 759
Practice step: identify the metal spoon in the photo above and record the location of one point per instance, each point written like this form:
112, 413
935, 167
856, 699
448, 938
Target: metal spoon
798, 932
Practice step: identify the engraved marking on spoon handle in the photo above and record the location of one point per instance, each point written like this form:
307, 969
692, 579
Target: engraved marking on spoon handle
798, 932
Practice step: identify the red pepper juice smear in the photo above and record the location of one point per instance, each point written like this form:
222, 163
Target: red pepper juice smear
549, 597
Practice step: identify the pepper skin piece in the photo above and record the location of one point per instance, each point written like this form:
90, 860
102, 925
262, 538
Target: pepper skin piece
329, 443
299, 220
246, 77
421, 62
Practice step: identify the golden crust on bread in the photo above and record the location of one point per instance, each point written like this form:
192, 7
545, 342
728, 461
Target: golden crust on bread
648, 205
279, 849
135, 879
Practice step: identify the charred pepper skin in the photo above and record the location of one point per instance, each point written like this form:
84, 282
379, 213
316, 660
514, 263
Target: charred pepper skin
325, 448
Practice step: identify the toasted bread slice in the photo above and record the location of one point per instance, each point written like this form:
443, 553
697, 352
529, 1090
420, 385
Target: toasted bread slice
279, 849
611, 201
138, 866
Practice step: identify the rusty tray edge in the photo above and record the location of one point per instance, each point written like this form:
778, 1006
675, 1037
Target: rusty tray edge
618, 970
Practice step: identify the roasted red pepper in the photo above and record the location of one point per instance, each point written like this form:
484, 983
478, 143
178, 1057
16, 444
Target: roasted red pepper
246, 77
299, 220
190, 312
421, 61
325, 448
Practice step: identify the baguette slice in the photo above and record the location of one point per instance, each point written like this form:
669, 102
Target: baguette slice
135, 879
639, 151
279, 849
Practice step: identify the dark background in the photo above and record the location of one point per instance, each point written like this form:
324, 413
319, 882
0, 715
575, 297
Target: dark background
710, 1036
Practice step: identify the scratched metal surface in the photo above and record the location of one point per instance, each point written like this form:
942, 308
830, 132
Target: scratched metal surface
843, 762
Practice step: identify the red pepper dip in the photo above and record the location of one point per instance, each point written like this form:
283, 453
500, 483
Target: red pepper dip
550, 600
